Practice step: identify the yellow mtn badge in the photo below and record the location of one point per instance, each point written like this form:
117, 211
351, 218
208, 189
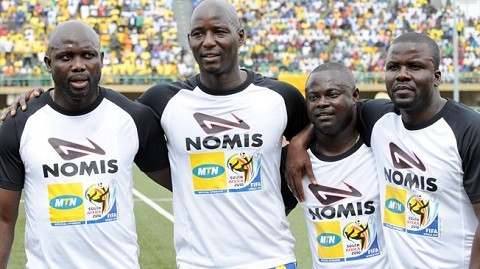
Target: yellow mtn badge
330, 246
66, 204
394, 209
208, 172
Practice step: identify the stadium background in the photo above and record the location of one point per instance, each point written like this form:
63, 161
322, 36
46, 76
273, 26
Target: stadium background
144, 42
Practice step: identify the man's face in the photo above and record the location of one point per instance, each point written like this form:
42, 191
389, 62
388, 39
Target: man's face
330, 101
75, 64
214, 41
410, 75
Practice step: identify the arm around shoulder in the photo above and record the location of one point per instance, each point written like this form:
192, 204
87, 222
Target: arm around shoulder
162, 177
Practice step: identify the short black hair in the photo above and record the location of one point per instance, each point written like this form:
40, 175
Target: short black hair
337, 67
415, 37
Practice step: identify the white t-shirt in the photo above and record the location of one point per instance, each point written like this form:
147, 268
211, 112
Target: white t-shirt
224, 152
76, 172
343, 211
430, 177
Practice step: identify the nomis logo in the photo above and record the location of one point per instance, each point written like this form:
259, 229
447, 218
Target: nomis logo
69, 150
329, 195
214, 125
402, 160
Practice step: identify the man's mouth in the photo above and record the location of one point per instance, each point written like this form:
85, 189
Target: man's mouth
79, 82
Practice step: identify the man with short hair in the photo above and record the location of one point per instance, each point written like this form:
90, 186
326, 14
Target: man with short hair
72, 152
342, 211
427, 151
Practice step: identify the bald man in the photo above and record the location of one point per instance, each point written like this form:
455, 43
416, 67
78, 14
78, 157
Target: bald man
224, 131
72, 153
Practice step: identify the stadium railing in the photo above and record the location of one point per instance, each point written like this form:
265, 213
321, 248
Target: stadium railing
45, 79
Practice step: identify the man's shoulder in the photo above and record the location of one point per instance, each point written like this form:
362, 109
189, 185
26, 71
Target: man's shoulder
460, 116
172, 86
272, 83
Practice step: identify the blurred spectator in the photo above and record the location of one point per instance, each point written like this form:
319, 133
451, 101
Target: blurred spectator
140, 36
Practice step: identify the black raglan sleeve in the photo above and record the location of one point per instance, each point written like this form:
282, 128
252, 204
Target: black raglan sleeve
465, 123
152, 154
12, 170
295, 105
368, 113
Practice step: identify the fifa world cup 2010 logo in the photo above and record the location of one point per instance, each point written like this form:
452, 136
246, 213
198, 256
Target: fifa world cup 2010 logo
99, 194
241, 163
358, 231
420, 207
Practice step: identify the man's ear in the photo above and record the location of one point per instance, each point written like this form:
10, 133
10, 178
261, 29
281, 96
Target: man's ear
48, 63
438, 78
241, 36
101, 59
356, 95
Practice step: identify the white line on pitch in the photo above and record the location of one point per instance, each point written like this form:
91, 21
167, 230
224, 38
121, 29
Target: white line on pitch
153, 205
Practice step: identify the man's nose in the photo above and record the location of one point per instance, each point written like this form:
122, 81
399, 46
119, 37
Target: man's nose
403, 73
209, 40
78, 64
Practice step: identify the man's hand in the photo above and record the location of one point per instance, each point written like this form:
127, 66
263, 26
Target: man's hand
20, 101
298, 162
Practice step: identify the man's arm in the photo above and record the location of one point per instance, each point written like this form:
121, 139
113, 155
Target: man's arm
162, 177
9, 202
475, 257
21, 101
299, 162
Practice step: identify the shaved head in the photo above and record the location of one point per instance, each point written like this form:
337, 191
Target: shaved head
73, 31
217, 5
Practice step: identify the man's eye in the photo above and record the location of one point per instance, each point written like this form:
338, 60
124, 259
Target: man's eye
196, 34
88, 55
333, 95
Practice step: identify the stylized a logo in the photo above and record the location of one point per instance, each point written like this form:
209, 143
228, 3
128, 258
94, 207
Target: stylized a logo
402, 160
328, 195
214, 125
69, 150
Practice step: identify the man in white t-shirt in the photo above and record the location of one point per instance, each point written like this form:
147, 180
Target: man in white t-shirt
72, 153
342, 211
427, 151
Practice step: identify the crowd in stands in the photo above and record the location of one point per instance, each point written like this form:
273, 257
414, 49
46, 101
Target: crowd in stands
139, 37
297, 36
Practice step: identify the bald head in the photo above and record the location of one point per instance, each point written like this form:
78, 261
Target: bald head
72, 32
216, 7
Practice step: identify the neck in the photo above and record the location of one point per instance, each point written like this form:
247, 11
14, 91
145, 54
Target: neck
424, 113
71, 104
336, 144
224, 81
